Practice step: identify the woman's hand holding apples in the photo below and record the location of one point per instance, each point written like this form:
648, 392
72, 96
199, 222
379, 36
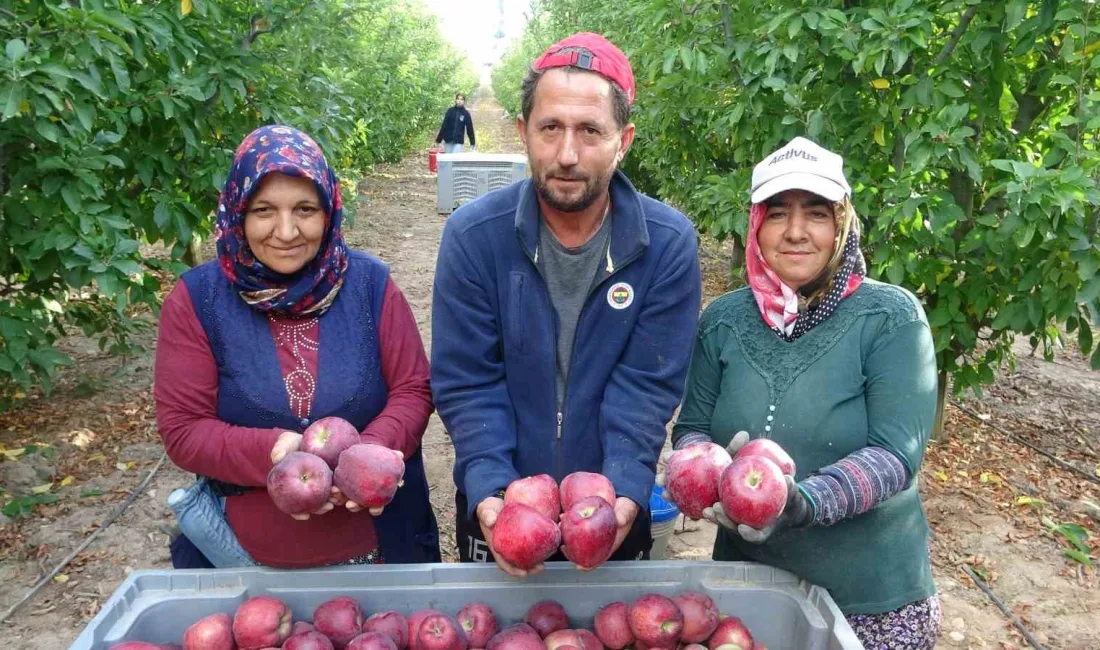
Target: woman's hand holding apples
797, 512
303, 482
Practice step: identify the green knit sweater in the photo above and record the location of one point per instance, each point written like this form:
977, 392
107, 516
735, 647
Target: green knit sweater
866, 376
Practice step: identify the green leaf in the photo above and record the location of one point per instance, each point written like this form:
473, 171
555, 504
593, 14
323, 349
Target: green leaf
92, 84
794, 27
1084, 337
1094, 361
107, 283
1014, 13
670, 62
136, 116
1077, 556
686, 57
86, 114
951, 89
1090, 291
939, 317
72, 199
47, 130
12, 100
816, 123
122, 76
15, 49
161, 215
128, 267
1024, 236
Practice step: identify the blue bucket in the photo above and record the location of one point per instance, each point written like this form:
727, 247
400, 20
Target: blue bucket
661, 510
664, 516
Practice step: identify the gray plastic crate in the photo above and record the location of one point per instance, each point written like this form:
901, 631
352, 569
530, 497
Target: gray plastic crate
782, 611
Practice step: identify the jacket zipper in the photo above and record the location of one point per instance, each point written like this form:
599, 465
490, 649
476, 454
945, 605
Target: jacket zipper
611, 271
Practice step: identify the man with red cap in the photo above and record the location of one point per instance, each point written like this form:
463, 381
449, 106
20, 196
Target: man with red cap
564, 308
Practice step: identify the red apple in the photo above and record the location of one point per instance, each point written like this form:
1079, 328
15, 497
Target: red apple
579, 639
538, 492
261, 622
214, 632
579, 485
299, 483
613, 626
700, 616
340, 619
731, 633
392, 624
753, 491
299, 627
547, 617
517, 637
414, 620
589, 641
588, 531
692, 477
328, 437
369, 474
479, 622
309, 640
656, 621
372, 641
769, 449
523, 537
441, 632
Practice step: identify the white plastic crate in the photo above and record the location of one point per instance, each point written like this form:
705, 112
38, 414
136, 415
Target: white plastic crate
465, 176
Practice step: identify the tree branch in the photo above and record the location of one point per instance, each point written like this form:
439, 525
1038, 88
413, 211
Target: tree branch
960, 29
727, 29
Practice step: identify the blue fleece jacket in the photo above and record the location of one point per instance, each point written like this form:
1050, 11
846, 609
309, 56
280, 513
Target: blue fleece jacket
494, 345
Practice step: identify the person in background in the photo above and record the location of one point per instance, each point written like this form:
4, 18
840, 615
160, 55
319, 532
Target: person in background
457, 126
840, 371
563, 308
288, 326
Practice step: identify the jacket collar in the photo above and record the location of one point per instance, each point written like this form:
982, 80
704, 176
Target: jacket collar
629, 234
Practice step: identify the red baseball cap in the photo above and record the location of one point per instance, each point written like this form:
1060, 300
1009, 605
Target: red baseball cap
606, 60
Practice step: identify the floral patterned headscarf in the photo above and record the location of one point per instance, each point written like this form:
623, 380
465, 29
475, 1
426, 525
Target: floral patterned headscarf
311, 289
789, 313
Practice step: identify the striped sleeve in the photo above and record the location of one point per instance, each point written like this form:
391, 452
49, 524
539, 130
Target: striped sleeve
689, 438
854, 484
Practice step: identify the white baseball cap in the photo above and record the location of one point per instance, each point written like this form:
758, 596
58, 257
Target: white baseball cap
800, 165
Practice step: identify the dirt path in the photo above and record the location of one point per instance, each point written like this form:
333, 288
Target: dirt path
98, 429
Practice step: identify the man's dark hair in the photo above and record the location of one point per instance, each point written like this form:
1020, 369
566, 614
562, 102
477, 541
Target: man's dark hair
620, 104
457, 95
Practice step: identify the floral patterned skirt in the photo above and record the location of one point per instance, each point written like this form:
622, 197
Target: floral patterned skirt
914, 626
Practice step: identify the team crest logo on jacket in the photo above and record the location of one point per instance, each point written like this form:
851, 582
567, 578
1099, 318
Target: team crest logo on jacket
620, 295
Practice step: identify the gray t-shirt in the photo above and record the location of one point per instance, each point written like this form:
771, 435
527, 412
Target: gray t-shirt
570, 274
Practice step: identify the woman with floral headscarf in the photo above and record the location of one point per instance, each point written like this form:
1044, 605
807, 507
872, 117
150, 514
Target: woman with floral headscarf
288, 326
840, 371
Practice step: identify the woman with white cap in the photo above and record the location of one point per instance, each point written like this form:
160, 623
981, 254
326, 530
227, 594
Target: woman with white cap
840, 370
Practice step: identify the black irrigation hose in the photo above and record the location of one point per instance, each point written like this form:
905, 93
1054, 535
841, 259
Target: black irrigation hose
997, 601
87, 542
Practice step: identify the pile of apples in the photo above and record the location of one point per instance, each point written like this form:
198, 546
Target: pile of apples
331, 454
750, 485
690, 621
539, 517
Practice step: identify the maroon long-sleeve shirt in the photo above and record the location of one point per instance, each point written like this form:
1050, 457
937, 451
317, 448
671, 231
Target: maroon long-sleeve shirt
186, 393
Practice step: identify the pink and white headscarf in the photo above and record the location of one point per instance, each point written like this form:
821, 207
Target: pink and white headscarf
787, 313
